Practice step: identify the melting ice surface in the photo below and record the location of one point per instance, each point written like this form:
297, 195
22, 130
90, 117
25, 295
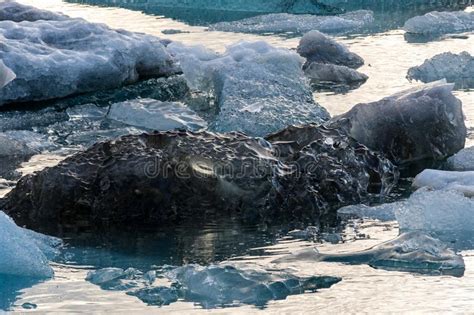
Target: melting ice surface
412, 251
211, 286
444, 180
258, 88
6, 75
462, 161
441, 23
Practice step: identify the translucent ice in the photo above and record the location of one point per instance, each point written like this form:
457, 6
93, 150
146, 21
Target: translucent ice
455, 68
462, 161
299, 24
412, 251
22, 143
104, 275
95, 56
156, 115
384, 212
24, 253
6, 75
446, 180
317, 47
258, 88
441, 23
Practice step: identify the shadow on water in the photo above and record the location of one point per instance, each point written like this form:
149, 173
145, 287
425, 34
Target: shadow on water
10, 290
389, 14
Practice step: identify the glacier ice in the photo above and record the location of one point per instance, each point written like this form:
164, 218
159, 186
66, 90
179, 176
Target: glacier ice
446, 180
412, 252
6, 75
383, 212
284, 23
156, 115
329, 75
211, 286
24, 253
258, 88
455, 68
462, 161
17, 12
95, 56
317, 47
22, 143
440, 23
424, 123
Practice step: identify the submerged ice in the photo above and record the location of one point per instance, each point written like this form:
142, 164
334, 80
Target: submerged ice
95, 56
284, 23
258, 88
24, 253
211, 286
455, 68
411, 251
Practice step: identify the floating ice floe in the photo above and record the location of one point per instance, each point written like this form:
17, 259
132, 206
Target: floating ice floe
64, 56
440, 23
317, 47
6, 75
329, 75
455, 68
422, 123
17, 12
446, 180
258, 88
411, 251
156, 115
212, 286
284, 23
441, 212
462, 161
25, 253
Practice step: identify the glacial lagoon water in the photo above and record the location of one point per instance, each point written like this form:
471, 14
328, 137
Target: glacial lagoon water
388, 56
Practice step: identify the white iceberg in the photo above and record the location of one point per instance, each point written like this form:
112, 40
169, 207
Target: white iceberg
60, 57
258, 88
462, 161
440, 23
156, 115
455, 68
283, 23
319, 48
24, 253
446, 180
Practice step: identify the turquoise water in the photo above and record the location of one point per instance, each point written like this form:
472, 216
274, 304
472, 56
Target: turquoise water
363, 289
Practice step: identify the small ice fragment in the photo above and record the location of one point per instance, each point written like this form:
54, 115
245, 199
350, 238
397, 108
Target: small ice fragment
446, 180
102, 276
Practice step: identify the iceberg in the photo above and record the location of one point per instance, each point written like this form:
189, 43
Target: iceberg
284, 23
421, 124
446, 180
24, 253
440, 23
156, 115
329, 75
462, 161
455, 68
95, 56
411, 252
258, 88
317, 47
17, 12
6, 75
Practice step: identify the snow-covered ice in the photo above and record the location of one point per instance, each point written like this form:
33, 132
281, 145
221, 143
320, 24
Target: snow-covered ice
317, 47
284, 23
24, 253
455, 68
462, 161
440, 23
156, 115
412, 251
6, 75
446, 180
258, 88
95, 57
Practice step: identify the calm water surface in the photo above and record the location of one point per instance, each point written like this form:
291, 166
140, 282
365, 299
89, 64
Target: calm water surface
363, 289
